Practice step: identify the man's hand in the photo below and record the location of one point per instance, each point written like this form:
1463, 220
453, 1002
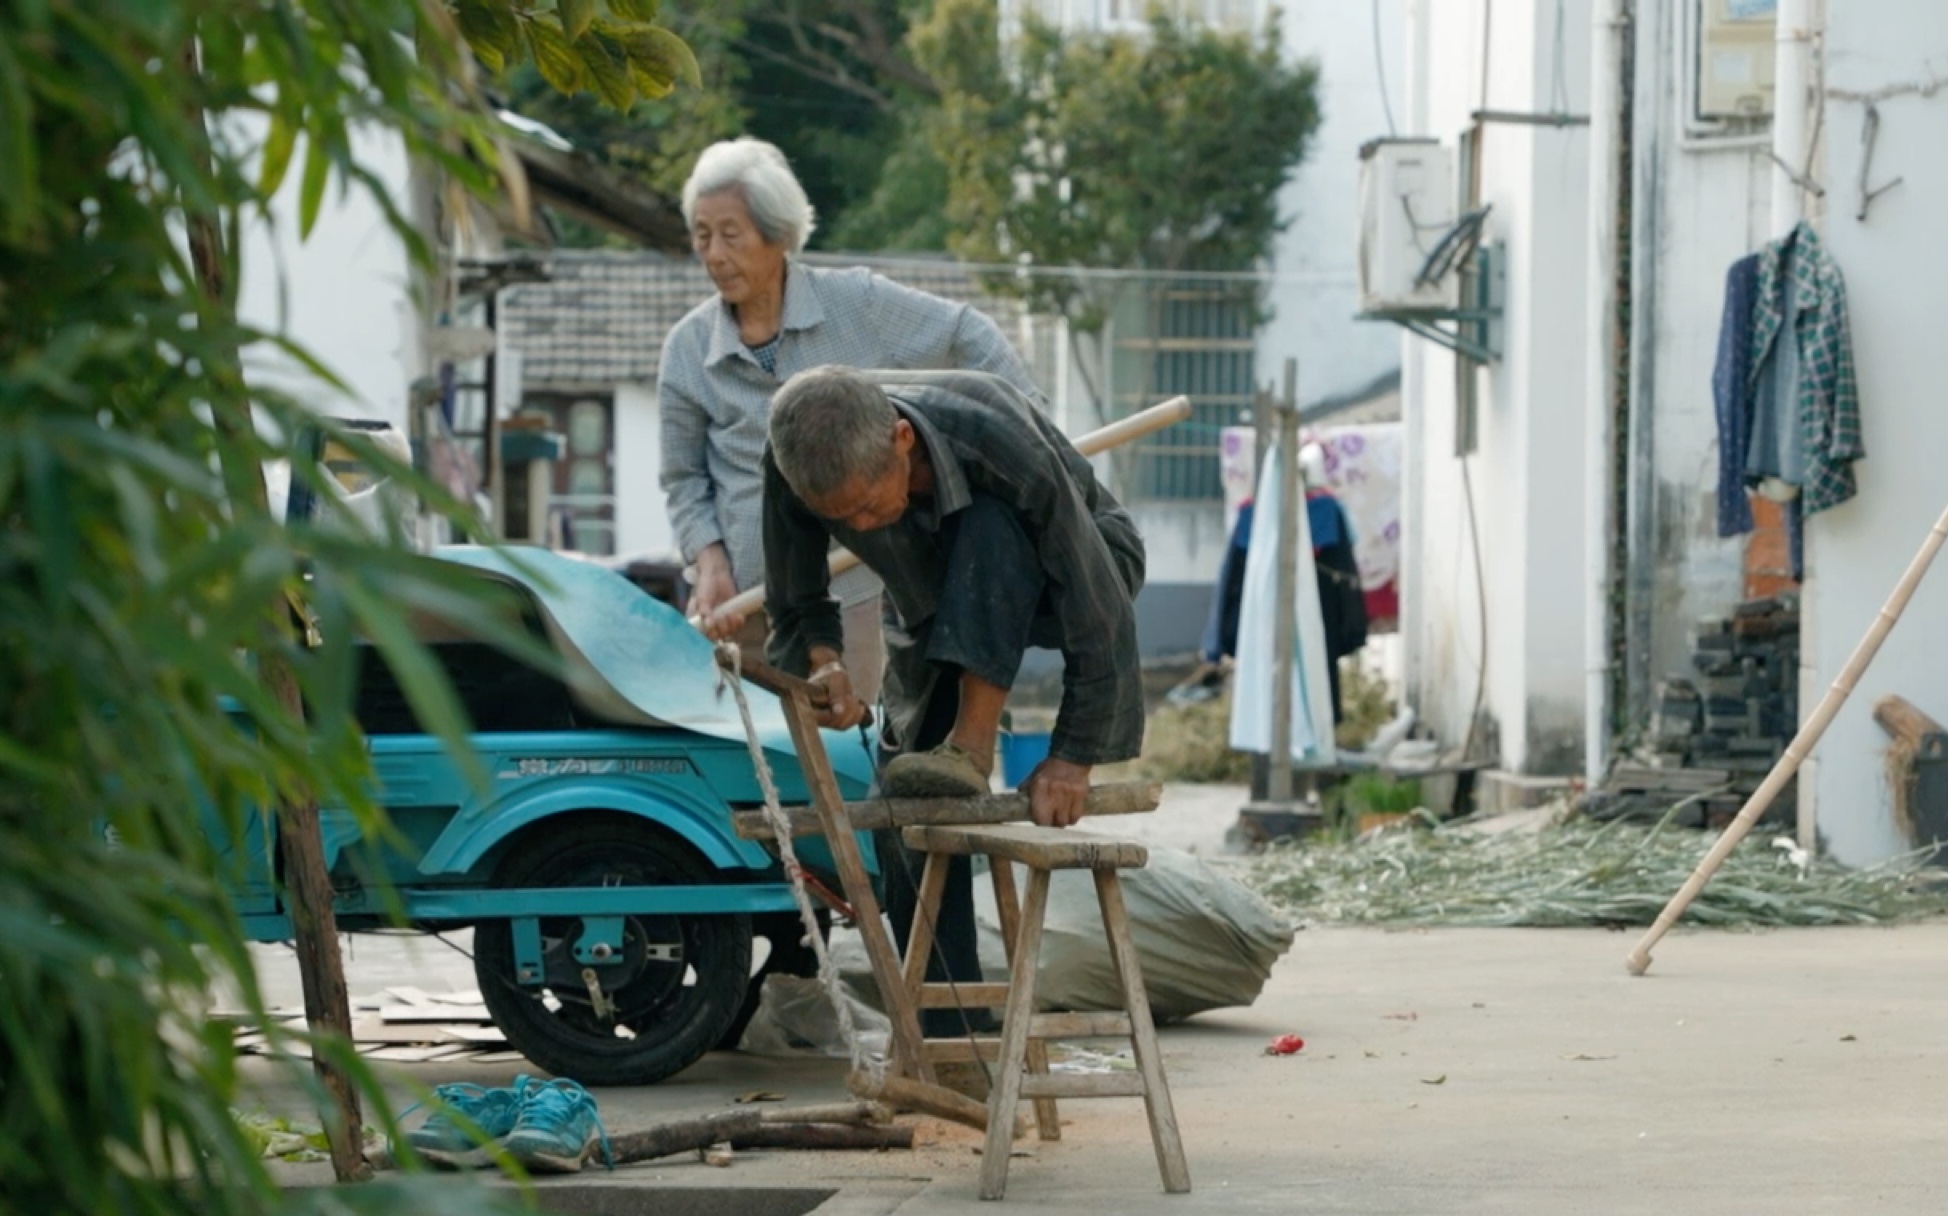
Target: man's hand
1056, 791
843, 709
714, 587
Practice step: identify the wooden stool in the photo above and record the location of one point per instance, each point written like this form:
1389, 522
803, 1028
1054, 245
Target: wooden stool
1022, 1049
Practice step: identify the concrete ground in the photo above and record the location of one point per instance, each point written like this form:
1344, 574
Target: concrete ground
1452, 1071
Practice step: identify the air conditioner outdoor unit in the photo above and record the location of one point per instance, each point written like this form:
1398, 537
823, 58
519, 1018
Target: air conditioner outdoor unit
1407, 204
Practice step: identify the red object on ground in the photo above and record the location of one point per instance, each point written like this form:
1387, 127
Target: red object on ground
1285, 1045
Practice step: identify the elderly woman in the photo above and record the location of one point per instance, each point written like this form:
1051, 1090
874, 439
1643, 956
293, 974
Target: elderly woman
773, 316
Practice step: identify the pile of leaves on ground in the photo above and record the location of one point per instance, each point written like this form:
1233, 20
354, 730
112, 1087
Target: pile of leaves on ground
1576, 873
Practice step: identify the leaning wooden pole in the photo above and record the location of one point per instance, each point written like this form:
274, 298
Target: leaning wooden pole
308, 890
1638, 959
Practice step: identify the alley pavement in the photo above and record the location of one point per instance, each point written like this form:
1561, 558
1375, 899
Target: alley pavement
1444, 1071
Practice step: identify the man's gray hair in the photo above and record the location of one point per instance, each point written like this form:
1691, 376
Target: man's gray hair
759, 173
830, 425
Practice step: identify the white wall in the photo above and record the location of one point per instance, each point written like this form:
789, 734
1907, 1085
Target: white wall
1314, 291
1526, 474
1701, 205
345, 294
642, 517
1895, 266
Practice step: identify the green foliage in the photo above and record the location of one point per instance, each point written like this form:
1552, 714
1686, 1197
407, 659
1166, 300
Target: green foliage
657, 144
831, 82
618, 55
142, 584
1163, 151
906, 209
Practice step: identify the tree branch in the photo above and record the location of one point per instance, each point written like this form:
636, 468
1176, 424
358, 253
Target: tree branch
835, 75
866, 38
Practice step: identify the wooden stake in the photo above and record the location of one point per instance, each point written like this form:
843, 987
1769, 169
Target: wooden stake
817, 769
1638, 960
308, 892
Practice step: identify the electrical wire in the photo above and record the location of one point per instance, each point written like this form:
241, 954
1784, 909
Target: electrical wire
1380, 70
1481, 603
1465, 368
1559, 84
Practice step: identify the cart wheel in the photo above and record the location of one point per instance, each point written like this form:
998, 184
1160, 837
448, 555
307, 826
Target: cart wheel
679, 984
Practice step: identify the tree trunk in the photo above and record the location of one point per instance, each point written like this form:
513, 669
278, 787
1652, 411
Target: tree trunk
327, 1005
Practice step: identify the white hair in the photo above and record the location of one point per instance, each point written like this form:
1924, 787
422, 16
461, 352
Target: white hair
759, 173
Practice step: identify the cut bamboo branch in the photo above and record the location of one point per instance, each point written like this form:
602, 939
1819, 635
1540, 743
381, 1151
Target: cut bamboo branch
1638, 960
1115, 798
1137, 425
689, 1135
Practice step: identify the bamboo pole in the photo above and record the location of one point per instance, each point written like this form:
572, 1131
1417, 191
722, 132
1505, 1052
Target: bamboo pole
1638, 960
1096, 442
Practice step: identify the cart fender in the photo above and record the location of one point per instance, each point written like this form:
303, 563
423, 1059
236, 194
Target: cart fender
705, 827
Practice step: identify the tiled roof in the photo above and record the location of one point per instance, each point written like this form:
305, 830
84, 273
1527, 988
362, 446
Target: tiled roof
602, 316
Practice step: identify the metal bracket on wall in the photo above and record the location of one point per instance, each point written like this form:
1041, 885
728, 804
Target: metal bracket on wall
1474, 330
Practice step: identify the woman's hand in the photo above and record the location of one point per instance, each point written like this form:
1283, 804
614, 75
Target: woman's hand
713, 589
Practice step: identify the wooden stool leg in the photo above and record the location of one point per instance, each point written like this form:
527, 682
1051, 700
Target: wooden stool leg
1014, 1039
926, 914
1143, 1036
1048, 1120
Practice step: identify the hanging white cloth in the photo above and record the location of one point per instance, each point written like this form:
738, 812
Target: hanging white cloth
1254, 677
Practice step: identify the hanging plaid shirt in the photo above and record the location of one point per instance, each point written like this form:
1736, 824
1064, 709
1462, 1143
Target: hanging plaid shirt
1826, 403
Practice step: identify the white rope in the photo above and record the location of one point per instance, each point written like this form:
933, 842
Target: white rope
774, 814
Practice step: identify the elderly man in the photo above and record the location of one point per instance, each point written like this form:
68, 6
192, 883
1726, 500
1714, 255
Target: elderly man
991, 534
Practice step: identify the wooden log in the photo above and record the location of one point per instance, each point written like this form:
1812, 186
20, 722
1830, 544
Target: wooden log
1114, 798
824, 1136
1905, 721
857, 1114
907, 1094
689, 1135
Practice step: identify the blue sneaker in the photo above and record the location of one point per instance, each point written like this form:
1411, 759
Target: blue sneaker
446, 1139
558, 1129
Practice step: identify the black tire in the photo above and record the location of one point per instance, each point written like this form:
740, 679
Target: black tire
680, 983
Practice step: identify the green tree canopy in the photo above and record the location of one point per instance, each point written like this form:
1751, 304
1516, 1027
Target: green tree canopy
1160, 151
1156, 151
